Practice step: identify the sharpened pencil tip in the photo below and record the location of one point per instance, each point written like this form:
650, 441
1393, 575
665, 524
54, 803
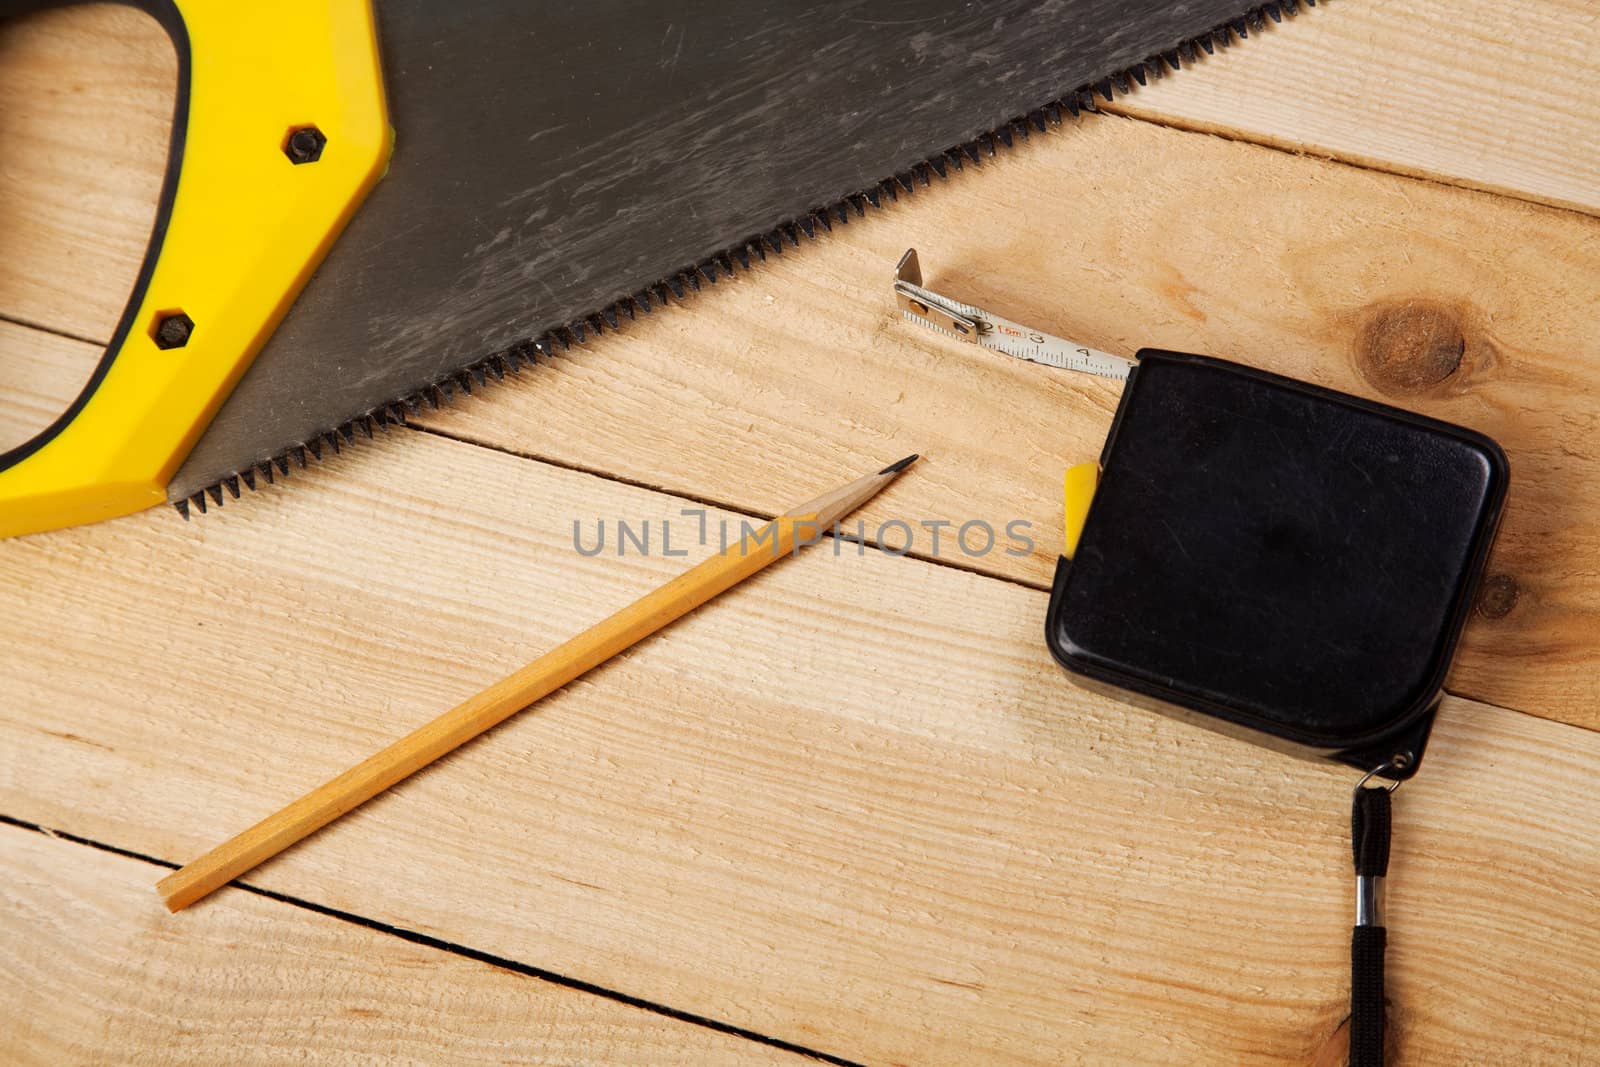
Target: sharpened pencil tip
896, 468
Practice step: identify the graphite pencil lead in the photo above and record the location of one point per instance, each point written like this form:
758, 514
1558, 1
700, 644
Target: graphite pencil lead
896, 468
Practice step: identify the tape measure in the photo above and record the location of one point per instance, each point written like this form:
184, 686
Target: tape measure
965, 322
1270, 558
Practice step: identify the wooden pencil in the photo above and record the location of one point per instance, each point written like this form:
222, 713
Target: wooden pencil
771, 542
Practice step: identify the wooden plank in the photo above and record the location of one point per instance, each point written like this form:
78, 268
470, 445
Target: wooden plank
1460, 305
95, 973
41, 373
1484, 93
1475, 309
1493, 95
85, 111
896, 833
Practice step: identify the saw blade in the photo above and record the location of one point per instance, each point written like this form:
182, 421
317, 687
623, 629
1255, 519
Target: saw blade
562, 167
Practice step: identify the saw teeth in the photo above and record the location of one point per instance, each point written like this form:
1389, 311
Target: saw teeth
720, 265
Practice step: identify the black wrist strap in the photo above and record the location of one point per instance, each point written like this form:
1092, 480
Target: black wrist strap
1369, 838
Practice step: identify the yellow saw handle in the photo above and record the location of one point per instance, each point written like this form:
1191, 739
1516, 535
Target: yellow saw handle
279, 132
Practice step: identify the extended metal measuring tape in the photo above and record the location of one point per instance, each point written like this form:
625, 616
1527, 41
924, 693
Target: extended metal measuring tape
965, 322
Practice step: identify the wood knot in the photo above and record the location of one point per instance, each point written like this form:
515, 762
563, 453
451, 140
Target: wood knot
1411, 346
1498, 596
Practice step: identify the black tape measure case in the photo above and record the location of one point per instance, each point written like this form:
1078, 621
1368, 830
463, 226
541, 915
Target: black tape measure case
1278, 559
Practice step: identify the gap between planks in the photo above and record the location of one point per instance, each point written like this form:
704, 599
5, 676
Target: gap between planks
1555, 600
616, 1003
1490, 96
823, 843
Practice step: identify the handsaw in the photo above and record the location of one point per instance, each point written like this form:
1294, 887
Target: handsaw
557, 169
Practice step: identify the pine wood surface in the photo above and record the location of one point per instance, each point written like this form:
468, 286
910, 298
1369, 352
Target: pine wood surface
1477, 309
88, 103
900, 835
748, 554
92, 975
900, 839
1473, 308
1496, 96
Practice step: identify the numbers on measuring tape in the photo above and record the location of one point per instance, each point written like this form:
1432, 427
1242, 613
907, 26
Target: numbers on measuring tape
968, 323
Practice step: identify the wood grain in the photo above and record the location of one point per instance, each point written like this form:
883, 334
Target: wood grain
1492, 95
94, 972
748, 554
1472, 308
909, 839
1468, 307
904, 840
85, 110
41, 373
